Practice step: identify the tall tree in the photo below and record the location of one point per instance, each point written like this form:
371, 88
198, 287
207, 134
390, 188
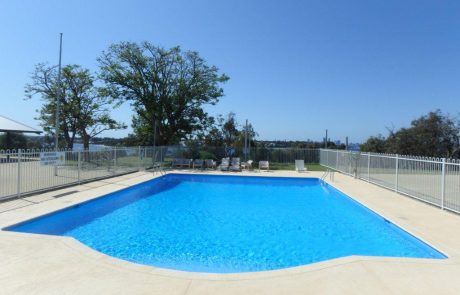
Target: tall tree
225, 132
230, 130
166, 87
374, 144
84, 108
431, 135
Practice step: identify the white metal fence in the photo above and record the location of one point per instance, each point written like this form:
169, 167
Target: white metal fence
30, 171
24, 172
432, 180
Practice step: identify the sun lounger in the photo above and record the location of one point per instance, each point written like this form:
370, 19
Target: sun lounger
210, 164
300, 166
187, 163
264, 165
235, 165
224, 165
198, 164
247, 165
181, 163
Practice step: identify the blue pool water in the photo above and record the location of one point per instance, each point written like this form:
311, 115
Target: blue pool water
228, 224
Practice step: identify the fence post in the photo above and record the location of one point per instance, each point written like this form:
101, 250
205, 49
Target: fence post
19, 173
337, 159
368, 167
79, 166
114, 158
443, 182
161, 156
139, 157
397, 172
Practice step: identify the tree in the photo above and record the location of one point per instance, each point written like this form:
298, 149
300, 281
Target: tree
17, 140
84, 108
226, 132
251, 135
215, 137
230, 130
431, 135
374, 144
166, 87
13, 140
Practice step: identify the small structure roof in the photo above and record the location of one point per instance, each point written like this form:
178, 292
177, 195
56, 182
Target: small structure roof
9, 125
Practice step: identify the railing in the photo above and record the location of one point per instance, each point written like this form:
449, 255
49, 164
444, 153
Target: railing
433, 180
24, 172
30, 171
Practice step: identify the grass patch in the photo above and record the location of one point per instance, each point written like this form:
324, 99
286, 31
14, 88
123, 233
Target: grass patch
290, 166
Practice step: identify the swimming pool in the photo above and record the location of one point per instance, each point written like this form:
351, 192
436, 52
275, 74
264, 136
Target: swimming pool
225, 224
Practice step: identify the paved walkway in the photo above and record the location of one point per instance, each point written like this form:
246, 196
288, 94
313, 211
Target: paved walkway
39, 264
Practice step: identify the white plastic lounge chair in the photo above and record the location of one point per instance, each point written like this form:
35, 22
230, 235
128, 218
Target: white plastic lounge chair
235, 165
224, 165
264, 165
300, 166
210, 164
247, 165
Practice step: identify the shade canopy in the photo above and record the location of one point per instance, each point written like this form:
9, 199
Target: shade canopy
9, 125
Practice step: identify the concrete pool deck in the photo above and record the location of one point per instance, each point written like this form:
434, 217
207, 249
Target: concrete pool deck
40, 264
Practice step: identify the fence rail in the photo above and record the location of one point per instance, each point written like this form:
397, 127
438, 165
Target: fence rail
31, 171
432, 180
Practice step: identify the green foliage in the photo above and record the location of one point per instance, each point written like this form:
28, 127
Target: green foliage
193, 149
84, 109
223, 132
227, 132
14, 140
207, 155
374, 144
291, 166
166, 87
432, 135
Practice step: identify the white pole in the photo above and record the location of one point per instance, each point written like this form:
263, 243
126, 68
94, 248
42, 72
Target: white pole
249, 148
443, 182
369, 167
397, 172
139, 157
19, 173
246, 141
337, 160
79, 167
58, 96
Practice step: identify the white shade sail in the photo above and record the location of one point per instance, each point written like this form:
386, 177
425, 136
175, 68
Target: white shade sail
9, 125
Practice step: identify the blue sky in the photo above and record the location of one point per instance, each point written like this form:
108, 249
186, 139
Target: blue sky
295, 67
